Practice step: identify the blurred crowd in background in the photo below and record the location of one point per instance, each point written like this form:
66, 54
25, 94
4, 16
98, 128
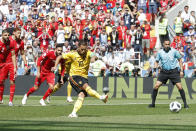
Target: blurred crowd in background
120, 32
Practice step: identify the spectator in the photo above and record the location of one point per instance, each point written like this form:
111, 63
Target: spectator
97, 66
163, 23
138, 44
128, 18
178, 23
141, 16
142, 4
122, 30
146, 38
192, 18
60, 34
185, 14
152, 6
114, 36
103, 38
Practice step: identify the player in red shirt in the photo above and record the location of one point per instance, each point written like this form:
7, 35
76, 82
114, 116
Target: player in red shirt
44, 65
7, 52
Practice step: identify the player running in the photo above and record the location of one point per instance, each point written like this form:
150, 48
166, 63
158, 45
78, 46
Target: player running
44, 65
80, 61
7, 52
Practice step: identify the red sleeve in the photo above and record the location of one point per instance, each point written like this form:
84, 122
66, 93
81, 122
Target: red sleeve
12, 45
62, 67
22, 45
42, 58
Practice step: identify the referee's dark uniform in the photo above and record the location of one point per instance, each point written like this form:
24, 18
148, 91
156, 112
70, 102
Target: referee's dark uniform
170, 69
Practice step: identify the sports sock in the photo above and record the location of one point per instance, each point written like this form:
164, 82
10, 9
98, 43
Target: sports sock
69, 88
48, 92
92, 92
182, 94
154, 95
56, 88
31, 90
1, 92
78, 104
12, 90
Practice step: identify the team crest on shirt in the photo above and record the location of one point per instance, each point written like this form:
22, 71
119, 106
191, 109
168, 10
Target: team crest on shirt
80, 82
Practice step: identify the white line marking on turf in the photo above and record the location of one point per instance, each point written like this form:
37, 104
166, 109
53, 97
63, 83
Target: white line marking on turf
113, 104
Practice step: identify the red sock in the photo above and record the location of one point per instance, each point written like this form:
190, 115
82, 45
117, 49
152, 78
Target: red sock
1, 92
48, 92
31, 90
12, 90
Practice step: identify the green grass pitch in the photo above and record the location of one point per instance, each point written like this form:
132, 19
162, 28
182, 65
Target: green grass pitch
116, 115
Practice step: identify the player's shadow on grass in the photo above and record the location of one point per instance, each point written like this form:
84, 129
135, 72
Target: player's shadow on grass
21, 125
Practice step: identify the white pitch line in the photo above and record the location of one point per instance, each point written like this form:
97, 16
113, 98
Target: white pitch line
93, 104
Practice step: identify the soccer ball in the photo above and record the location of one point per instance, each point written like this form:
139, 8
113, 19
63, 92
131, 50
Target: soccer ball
105, 90
175, 106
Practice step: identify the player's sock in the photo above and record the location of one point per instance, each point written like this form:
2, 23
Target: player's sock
78, 104
92, 92
31, 90
12, 91
56, 88
69, 88
182, 94
1, 92
154, 95
48, 92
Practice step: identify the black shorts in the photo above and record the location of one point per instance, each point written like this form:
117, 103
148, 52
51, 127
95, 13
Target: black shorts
77, 82
173, 75
65, 77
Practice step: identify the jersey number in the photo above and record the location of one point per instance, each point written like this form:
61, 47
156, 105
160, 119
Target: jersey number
80, 63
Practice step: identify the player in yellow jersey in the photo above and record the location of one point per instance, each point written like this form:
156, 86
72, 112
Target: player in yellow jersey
80, 61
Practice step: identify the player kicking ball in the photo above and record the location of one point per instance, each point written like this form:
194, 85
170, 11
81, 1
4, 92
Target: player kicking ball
44, 65
80, 61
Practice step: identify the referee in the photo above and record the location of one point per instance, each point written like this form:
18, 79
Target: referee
171, 68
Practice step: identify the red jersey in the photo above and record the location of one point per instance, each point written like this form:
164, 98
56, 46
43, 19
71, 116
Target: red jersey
5, 50
17, 47
147, 31
46, 61
121, 30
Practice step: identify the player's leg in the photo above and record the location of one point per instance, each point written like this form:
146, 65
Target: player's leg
176, 80
1, 87
69, 89
37, 83
162, 79
82, 83
77, 105
182, 94
154, 93
3, 76
58, 84
50, 80
94, 93
12, 83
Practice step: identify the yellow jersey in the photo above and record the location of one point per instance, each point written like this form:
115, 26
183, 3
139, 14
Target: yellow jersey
79, 64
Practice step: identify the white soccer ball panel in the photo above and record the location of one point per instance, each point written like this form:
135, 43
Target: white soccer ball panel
175, 106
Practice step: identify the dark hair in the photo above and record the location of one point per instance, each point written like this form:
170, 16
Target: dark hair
5, 31
82, 42
162, 16
59, 45
17, 29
